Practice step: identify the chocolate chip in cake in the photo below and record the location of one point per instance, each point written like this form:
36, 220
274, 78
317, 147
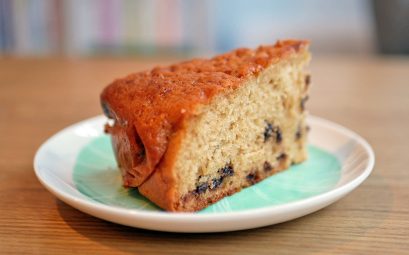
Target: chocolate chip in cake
298, 134
267, 166
201, 188
270, 130
303, 102
251, 177
281, 157
227, 170
279, 135
307, 128
216, 182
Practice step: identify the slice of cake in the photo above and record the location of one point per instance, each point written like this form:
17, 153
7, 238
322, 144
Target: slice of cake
189, 134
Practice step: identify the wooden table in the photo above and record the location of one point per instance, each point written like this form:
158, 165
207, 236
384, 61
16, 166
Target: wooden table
39, 97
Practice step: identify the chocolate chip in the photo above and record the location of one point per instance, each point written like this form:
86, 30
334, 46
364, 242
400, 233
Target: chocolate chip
267, 166
281, 157
216, 182
201, 188
279, 135
270, 130
303, 102
227, 170
307, 128
251, 177
298, 134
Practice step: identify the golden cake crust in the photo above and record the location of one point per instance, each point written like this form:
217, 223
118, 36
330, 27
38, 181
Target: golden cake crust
150, 107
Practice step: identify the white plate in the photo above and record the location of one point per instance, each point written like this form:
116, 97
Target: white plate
65, 161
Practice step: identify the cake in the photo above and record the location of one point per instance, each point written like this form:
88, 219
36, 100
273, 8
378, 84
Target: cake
192, 133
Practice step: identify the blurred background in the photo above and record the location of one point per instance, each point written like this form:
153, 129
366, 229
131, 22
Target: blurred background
199, 27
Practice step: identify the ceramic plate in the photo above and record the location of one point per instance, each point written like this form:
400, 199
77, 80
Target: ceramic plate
77, 165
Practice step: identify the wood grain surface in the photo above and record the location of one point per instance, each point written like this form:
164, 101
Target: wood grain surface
38, 97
